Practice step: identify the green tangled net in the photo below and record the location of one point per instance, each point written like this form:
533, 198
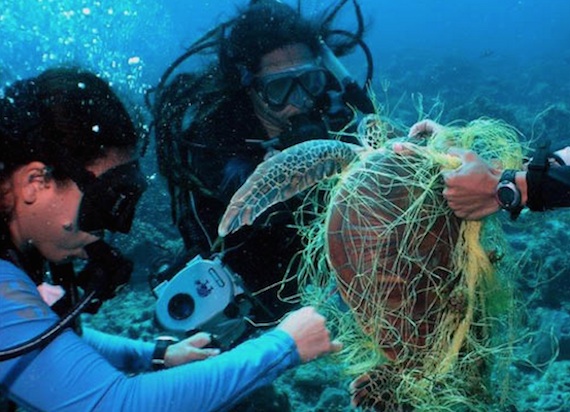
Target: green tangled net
416, 283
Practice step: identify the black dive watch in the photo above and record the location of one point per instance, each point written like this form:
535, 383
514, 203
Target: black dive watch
162, 343
508, 194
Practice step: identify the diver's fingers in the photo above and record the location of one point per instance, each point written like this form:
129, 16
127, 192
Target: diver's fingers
463, 154
199, 340
186, 350
336, 346
405, 148
201, 354
470, 159
424, 127
496, 164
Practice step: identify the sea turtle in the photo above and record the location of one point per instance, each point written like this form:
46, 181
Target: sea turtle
388, 238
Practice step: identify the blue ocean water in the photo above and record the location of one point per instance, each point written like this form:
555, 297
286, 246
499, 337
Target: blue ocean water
419, 46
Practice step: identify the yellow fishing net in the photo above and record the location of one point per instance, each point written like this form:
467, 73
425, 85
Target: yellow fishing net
406, 283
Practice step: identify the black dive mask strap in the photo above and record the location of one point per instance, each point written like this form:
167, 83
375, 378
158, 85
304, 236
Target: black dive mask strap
537, 170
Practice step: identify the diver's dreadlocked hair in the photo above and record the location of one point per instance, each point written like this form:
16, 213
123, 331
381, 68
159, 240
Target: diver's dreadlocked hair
62, 114
263, 27
239, 44
66, 118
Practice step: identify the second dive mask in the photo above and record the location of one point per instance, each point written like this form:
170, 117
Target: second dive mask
291, 86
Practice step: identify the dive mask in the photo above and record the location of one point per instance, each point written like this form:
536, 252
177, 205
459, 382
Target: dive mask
283, 88
109, 200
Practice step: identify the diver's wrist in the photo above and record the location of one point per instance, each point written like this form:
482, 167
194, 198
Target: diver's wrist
159, 353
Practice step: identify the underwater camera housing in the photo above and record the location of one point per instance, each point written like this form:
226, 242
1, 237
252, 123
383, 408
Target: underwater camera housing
205, 295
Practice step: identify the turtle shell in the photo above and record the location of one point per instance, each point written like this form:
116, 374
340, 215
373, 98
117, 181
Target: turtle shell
390, 237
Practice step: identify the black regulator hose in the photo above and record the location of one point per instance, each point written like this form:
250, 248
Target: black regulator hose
353, 93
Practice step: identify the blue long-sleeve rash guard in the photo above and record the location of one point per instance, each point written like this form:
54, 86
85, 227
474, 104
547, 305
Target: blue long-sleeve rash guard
88, 374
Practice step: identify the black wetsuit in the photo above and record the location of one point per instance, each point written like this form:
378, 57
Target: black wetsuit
549, 190
223, 152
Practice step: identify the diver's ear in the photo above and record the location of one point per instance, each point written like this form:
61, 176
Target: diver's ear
32, 179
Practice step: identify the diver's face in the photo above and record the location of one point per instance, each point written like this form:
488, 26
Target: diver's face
45, 212
292, 77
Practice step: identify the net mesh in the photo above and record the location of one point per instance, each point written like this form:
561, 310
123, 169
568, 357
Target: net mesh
414, 282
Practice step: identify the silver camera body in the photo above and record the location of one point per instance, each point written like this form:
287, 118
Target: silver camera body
205, 295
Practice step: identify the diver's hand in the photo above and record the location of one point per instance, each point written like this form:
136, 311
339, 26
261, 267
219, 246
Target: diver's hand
307, 328
406, 148
425, 128
420, 130
189, 350
470, 189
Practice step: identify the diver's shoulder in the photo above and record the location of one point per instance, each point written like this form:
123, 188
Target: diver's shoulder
8, 268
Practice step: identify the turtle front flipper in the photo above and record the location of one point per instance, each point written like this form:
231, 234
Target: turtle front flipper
283, 176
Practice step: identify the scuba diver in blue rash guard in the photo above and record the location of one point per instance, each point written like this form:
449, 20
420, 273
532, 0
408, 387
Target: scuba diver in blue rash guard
274, 80
68, 172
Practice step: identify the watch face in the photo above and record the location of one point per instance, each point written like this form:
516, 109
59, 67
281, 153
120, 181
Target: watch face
508, 195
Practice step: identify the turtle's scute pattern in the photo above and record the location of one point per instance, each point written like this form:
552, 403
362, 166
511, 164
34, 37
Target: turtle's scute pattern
393, 269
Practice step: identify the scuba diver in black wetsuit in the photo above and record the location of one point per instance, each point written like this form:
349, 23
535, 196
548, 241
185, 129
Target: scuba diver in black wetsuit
275, 81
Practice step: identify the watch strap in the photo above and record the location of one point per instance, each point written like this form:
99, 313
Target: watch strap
159, 352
